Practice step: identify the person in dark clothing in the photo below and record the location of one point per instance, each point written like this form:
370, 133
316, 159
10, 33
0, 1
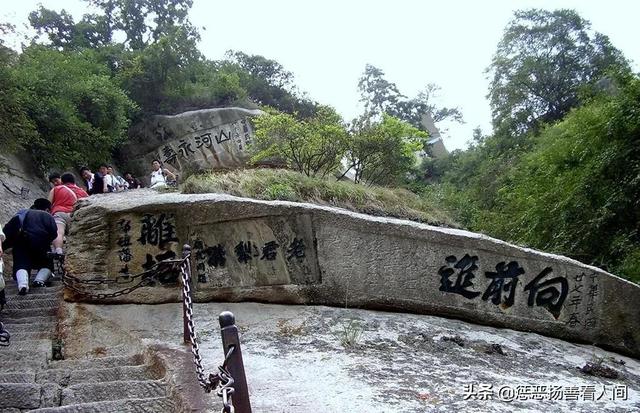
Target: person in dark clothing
94, 182
29, 234
134, 183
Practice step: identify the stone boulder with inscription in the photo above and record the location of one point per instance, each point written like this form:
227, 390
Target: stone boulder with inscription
285, 252
191, 141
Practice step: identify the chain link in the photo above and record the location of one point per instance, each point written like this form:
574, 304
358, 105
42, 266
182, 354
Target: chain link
222, 381
145, 278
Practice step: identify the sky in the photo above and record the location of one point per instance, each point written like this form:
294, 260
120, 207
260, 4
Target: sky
327, 43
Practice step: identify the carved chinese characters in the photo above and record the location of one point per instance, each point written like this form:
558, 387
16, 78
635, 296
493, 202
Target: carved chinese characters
256, 252
543, 289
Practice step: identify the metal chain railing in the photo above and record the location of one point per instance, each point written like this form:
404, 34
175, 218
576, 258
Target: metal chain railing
222, 381
143, 279
4, 335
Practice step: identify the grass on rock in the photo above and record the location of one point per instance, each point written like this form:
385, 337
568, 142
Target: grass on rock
286, 185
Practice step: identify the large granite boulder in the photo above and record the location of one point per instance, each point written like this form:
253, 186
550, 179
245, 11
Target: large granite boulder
191, 141
284, 252
20, 184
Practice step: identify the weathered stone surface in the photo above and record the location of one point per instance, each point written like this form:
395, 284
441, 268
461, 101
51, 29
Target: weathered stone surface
95, 375
195, 140
28, 312
297, 360
97, 362
26, 350
20, 395
33, 303
19, 184
92, 392
286, 252
17, 377
50, 396
155, 405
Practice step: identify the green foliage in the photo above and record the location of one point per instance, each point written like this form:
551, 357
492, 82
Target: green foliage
543, 62
312, 147
158, 77
573, 190
142, 22
63, 33
381, 96
577, 192
15, 124
383, 152
286, 185
79, 114
349, 333
268, 83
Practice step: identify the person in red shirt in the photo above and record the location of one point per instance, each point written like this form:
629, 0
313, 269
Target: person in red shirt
63, 199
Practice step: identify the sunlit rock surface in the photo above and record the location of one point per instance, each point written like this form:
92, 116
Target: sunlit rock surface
297, 360
293, 253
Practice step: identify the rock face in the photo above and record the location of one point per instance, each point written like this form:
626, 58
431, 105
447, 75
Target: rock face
18, 185
283, 252
196, 140
372, 361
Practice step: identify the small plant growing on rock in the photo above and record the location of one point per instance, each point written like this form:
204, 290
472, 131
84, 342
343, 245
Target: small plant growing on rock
350, 334
599, 369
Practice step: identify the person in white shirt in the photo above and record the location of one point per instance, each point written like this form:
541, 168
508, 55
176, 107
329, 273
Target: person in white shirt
117, 182
159, 176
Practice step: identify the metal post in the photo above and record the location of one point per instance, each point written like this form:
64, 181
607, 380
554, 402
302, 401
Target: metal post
186, 252
235, 366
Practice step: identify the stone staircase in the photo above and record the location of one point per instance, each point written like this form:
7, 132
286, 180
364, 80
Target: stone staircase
31, 380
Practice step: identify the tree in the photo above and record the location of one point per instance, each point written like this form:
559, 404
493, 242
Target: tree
543, 62
146, 21
577, 191
15, 124
383, 152
381, 96
80, 115
157, 76
268, 83
143, 22
313, 147
63, 33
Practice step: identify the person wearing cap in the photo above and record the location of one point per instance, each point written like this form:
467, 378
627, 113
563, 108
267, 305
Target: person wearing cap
29, 235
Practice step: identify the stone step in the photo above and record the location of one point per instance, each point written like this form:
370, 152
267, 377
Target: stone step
98, 375
17, 377
30, 335
29, 312
19, 396
18, 302
37, 320
12, 290
96, 363
16, 326
114, 390
25, 350
151, 405
54, 295
17, 336
31, 365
